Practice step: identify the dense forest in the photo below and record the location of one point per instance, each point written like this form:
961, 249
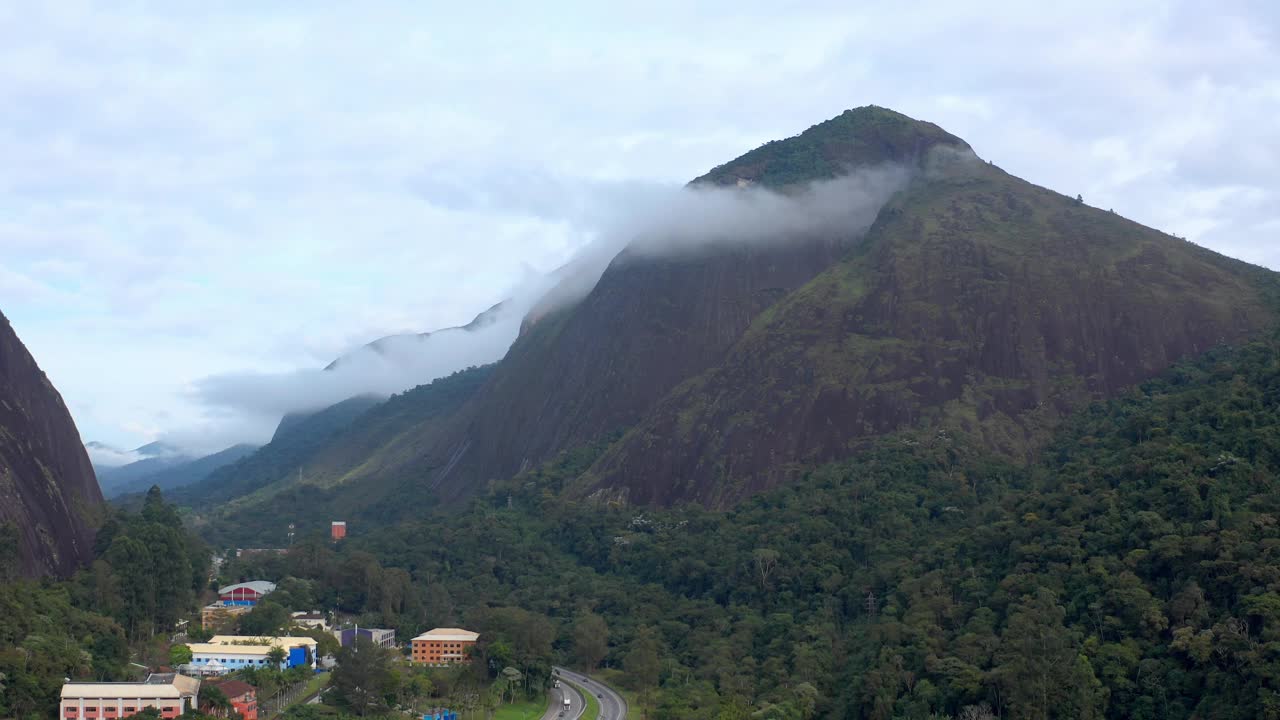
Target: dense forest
1131, 572
1128, 573
147, 574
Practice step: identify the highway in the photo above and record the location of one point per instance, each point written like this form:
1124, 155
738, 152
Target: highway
612, 706
577, 704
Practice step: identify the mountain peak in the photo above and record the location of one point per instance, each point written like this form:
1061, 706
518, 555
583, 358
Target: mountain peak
860, 137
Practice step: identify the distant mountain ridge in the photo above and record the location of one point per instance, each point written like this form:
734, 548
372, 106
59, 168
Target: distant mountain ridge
392, 344
48, 492
977, 303
168, 472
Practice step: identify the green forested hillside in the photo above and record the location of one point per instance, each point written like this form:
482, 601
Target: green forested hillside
1131, 573
146, 573
293, 443
301, 475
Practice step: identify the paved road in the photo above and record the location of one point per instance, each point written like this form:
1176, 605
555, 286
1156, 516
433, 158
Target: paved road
612, 706
577, 704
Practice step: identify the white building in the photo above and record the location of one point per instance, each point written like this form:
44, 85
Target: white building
233, 652
313, 619
171, 694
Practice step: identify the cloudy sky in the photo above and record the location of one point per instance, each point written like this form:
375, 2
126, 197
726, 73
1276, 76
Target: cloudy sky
211, 191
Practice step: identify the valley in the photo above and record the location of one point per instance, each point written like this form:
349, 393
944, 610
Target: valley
926, 441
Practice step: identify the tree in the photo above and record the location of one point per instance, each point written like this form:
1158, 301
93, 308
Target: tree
1041, 672
131, 562
642, 664
212, 697
179, 655
981, 711
156, 510
512, 678
766, 560
266, 618
277, 656
363, 680
590, 641
416, 686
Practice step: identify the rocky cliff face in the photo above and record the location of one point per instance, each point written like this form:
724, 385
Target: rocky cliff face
979, 304
976, 303
47, 487
653, 322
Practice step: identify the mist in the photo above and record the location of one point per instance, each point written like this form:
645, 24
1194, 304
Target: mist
647, 221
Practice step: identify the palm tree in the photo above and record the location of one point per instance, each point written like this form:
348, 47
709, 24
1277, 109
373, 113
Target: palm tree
276, 656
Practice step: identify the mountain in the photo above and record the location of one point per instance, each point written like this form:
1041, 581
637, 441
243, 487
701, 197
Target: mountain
976, 304
48, 492
409, 343
281, 457
292, 476
150, 458
174, 471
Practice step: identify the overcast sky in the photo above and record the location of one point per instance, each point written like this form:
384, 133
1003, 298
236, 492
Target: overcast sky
193, 192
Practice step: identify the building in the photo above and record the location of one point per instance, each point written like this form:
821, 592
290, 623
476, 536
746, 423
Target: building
251, 551
226, 653
443, 646
169, 693
245, 593
243, 697
313, 619
338, 529
379, 636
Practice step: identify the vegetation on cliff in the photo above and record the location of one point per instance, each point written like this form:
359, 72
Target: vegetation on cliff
1128, 574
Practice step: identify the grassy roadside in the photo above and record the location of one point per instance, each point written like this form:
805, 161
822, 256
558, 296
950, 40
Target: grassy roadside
313, 686
525, 710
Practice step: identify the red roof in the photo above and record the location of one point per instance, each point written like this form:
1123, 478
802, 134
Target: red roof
234, 688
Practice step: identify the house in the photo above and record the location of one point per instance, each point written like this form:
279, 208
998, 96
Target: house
311, 619
243, 697
379, 636
170, 693
245, 593
443, 646
337, 530
233, 652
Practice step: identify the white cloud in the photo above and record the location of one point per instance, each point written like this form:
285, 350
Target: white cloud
196, 191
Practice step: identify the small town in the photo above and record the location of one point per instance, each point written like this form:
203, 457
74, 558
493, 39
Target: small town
205, 676
259, 649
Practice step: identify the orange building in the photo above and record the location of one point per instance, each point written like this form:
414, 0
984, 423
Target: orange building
443, 646
243, 698
338, 529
